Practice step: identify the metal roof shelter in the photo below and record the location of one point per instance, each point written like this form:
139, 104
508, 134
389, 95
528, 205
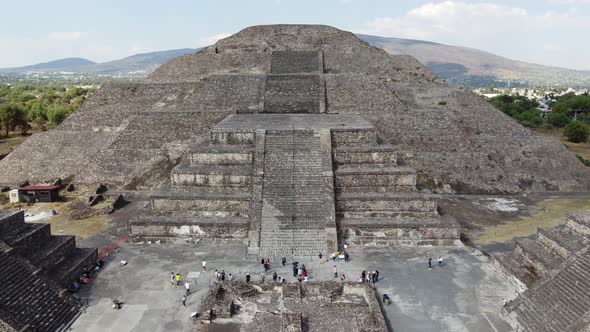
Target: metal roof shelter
35, 194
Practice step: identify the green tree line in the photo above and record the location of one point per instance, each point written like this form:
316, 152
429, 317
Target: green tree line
570, 112
24, 106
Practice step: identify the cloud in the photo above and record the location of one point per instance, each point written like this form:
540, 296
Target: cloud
502, 29
64, 36
213, 39
432, 20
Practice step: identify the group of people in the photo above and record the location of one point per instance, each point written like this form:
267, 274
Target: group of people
369, 277
300, 272
440, 262
220, 276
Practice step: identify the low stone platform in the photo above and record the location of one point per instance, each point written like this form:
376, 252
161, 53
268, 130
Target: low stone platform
553, 271
309, 306
252, 122
294, 179
36, 268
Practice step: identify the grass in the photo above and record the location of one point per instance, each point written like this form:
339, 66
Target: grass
552, 214
583, 149
63, 224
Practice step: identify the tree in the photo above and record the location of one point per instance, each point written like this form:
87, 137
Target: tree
56, 114
8, 113
558, 120
576, 132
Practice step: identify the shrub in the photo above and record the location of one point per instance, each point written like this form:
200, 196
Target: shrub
583, 160
558, 120
576, 132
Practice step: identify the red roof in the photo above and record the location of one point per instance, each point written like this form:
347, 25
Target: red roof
35, 188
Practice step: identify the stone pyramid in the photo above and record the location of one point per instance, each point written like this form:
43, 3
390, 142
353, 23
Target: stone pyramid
131, 135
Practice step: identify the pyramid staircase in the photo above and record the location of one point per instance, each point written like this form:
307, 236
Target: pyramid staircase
36, 269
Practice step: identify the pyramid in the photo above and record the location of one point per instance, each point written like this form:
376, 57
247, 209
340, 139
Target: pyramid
131, 135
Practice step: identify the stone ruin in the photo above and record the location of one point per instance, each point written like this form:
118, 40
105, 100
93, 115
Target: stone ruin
553, 272
37, 268
308, 306
131, 135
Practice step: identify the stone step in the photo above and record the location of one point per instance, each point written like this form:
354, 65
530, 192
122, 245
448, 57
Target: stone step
30, 239
512, 264
375, 178
232, 137
72, 266
365, 154
212, 175
353, 137
563, 240
218, 154
176, 225
537, 254
579, 223
53, 251
209, 204
32, 300
11, 222
384, 204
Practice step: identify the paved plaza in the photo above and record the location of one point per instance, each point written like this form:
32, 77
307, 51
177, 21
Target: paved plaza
466, 294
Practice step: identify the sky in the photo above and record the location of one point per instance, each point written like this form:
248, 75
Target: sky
550, 32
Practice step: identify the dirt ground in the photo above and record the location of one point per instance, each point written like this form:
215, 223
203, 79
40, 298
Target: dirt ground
582, 149
63, 223
499, 219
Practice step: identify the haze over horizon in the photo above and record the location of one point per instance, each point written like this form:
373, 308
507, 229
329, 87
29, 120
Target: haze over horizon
548, 32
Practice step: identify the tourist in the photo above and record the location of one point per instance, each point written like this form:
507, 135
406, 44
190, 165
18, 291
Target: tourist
430, 263
335, 272
320, 255
262, 277
204, 264
304, 278
284, 260
222, 275
247, 276
303, 267
216, 274
300, 271
369, 277
177, 279
440, 261
304, 273
363, 274
342, 277
295, 269
274, 276
184, 301
262, 261
346, 256
229, 276
376, 275
172, 278
299, 278
188, 288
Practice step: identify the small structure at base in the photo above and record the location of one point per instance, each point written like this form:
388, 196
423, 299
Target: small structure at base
34, 194
296, 307
15, 196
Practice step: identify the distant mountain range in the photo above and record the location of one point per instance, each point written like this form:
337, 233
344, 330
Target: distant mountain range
458, 65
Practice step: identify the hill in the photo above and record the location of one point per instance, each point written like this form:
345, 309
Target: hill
475, 68
67, 64
143, 63
458, 65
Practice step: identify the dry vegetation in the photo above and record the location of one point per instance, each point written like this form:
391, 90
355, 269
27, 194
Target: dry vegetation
552, 213
582, 149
